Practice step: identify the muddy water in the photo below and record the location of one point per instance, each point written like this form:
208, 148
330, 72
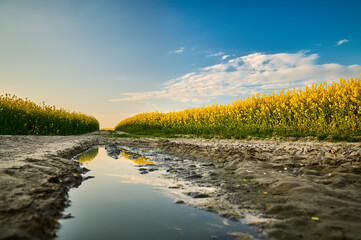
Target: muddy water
133, 195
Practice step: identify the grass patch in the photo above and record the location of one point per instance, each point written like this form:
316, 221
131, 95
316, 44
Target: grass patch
322, 136
241, 136
145, 135
346, 137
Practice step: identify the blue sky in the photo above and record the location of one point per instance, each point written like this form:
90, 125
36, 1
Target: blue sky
113, 59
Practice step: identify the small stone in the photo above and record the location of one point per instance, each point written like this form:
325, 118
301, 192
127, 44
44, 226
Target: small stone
153, 169
67, 215
88, 177
194, 176
197, 195
67, 203
179, 201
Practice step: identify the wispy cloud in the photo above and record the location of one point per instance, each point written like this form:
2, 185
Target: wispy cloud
243, 76
224, 57
215, 54
180, 50
342, 42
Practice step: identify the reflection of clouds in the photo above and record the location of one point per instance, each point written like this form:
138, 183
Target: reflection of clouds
135, 179
225, 222
164, 183
178, 229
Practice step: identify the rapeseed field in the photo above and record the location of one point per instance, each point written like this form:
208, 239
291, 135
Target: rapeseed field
23, 117
318, 110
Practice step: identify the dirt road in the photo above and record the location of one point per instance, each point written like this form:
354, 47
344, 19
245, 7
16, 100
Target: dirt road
311, 190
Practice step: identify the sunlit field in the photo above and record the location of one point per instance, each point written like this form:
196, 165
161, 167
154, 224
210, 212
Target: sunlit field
319, 110
18, 116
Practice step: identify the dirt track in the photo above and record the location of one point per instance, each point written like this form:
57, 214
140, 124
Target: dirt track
312, 189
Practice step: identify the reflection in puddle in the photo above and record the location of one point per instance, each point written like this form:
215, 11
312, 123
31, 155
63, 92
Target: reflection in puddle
116, 151
139, 161
88, 155
129, 191
136, 179
174, 188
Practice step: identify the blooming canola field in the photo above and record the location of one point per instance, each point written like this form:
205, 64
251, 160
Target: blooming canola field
318, 110
23, 117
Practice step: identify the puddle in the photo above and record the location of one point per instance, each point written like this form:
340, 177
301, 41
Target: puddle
133, 195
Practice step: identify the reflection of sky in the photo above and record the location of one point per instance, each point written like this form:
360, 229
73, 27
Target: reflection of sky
154, 179
124, 170
157, 180
119, 200
138, 179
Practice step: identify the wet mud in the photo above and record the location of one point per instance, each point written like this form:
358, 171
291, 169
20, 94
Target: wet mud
289, 190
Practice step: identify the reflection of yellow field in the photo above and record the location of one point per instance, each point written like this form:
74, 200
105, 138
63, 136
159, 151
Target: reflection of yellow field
89, 155
139, 161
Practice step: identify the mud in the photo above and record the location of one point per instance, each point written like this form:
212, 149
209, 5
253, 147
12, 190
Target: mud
312, 190
35, 176
297, 190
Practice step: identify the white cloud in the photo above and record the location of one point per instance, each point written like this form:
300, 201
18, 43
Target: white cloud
342, 42
243, 76
224, 57
215, 54
177, 51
